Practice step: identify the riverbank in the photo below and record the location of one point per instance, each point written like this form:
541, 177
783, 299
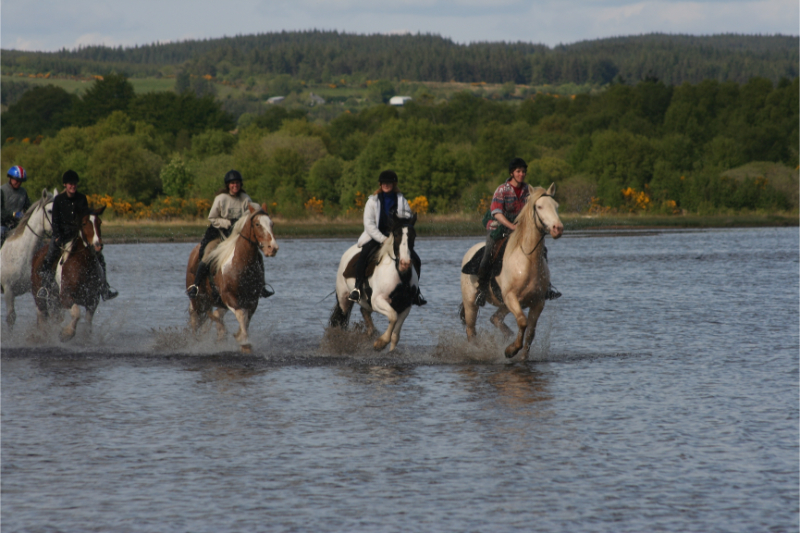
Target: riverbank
125, 232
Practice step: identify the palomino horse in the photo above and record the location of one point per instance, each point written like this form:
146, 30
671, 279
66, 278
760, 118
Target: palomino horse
394, 283
16, 256
79, 277
525, 277
237, 275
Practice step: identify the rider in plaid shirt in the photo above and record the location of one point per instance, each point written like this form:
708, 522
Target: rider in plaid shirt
508, 200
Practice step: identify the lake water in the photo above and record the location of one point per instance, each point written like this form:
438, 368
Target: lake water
661, 395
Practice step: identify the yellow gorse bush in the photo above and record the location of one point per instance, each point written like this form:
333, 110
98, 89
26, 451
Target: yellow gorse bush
163, 209
636, 200
314, 206
419, 205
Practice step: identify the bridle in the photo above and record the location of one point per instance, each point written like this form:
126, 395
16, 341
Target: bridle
543, 229
45, 217
250, 239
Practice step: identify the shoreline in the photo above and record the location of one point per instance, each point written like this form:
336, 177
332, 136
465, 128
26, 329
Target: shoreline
125, 232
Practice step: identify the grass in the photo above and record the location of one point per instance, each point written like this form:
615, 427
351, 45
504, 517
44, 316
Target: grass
117, 232
79, 86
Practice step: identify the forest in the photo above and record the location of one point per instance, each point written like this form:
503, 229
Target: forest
649, 146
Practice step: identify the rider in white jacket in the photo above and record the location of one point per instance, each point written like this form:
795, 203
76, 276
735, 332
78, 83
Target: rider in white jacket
377, 216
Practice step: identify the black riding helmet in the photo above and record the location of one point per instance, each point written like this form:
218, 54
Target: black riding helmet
388, 176
233, 175
516, 163
70, 176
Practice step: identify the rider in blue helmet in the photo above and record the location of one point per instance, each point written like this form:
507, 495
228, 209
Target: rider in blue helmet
14, 200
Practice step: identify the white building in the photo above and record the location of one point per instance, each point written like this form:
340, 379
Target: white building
399, 100
276, 99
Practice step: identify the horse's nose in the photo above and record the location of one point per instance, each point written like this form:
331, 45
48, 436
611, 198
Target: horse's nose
271, 249
404, 265
556, 230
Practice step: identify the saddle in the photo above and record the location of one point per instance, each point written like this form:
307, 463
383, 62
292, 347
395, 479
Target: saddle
471, 268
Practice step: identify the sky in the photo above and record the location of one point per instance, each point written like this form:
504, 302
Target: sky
49, 25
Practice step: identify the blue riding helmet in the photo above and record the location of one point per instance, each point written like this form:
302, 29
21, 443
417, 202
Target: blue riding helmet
17, 172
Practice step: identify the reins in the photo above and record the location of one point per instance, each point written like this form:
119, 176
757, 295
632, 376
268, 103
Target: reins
44, 233
543, 229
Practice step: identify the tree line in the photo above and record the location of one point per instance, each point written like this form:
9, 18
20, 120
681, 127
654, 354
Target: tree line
323, 56
645, 146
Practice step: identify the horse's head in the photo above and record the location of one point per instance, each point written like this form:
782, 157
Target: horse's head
90, 229
545, 213
262, 230
404, 235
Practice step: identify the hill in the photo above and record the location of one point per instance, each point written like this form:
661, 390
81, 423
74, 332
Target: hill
326, 57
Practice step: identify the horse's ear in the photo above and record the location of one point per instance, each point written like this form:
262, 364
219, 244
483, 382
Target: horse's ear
55, 191
413, 219
251, 208
45, 195
99, 212
264, 207
552, 189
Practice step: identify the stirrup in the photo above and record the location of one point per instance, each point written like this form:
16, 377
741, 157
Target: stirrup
43, 293
109, 293
265, 292
191, 292
552, 293
355, 295
419, 299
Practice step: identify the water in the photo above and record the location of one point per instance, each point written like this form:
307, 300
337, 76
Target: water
661, 395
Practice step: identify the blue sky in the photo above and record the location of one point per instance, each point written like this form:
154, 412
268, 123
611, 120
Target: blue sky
53, 24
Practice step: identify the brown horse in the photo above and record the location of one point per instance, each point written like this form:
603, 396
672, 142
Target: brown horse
79, 277
237, 275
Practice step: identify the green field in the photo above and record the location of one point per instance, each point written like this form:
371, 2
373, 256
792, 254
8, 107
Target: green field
117, 233
79, 86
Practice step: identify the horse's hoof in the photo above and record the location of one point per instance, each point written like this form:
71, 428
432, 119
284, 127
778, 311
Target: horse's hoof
379, 345
511, 351
246, 348
66, 335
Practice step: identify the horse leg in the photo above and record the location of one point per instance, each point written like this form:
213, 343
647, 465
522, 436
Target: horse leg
68, 332
243, 317
522, 323
533, 318
368, 321
397, 327
217, 315
11, 314
497, 321
381, 305
468, 310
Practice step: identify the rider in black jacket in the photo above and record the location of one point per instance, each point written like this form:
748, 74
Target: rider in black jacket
69, 207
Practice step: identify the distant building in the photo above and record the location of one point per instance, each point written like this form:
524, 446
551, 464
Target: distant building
399, 100
276, 99
317, 99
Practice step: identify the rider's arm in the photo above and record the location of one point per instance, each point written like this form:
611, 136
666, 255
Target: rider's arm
215, 215
371, 214
501, 218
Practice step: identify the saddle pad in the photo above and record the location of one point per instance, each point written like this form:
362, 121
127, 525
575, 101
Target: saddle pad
471, 268
350, 269
210, 246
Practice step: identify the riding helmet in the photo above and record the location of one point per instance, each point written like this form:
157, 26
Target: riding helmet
18, 173
388, 176
233, 175
516, 163
70, 176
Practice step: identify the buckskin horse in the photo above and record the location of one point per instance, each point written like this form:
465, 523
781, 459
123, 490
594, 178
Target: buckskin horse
393, 283
524, 278
16, 256
237, 275
79, 277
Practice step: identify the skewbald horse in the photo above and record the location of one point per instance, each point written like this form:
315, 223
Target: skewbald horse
394, 283
79, 277
237, 275
525, 277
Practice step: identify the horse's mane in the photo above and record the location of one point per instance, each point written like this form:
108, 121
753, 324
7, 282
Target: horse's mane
385, 249
224, 250
23, 222
524, 220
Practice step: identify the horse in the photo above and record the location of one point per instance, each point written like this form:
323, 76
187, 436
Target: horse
394, 282
525, 276
237, 275
16, 255
79, 277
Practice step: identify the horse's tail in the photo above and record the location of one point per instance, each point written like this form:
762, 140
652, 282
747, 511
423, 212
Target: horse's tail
339, 318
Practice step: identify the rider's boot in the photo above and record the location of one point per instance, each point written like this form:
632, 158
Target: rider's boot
484, 274
418, 299
199, 278
552, 293
107, 293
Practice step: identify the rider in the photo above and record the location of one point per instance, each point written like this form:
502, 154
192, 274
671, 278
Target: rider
230, 204
507, 202
14, 200
378, 211
69, 207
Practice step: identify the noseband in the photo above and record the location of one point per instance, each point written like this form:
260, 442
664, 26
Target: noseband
250, 239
